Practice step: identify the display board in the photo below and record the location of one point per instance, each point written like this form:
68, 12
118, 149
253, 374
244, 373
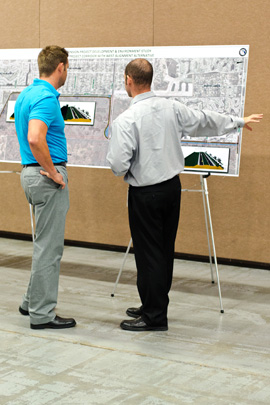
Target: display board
201, 77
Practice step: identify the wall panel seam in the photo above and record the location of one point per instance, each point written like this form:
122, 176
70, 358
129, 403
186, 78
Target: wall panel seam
39, 22
153, 39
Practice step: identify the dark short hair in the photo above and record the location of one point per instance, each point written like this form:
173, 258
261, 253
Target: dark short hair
49, 58
141, 72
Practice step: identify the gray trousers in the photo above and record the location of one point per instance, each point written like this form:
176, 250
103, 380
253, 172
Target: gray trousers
50, 205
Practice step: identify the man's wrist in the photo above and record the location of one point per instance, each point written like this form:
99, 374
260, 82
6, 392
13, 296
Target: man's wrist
239, 123
53, 172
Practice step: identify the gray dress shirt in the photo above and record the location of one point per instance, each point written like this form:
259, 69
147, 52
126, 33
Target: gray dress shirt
145, 145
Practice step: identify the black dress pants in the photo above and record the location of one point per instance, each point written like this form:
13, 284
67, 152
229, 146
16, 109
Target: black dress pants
153, 218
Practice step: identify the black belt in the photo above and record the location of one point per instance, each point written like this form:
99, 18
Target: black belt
38, 165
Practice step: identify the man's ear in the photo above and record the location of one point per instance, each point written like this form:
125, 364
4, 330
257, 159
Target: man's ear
128, 79
60, 67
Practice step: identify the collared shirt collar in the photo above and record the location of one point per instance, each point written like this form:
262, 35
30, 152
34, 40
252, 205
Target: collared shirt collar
38, 82
142, 96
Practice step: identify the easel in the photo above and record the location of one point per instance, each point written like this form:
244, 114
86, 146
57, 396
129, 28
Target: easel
209, 227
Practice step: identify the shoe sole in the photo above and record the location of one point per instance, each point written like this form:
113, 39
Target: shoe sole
45, 326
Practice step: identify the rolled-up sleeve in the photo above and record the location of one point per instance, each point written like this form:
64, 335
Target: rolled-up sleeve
200, 123
122, 146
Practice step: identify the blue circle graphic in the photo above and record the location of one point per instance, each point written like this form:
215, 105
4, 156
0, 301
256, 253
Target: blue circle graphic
243, 52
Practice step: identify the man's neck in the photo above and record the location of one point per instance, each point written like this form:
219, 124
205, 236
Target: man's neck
51, 80
136, 91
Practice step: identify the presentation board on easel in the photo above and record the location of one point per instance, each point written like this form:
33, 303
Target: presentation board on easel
201, 77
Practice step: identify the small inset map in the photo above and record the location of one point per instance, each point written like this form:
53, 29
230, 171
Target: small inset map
10, 111
78, 113
74, 113
206, 159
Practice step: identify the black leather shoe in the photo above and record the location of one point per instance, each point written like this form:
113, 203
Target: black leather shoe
23, 311
57, 323
138, 325
134, 312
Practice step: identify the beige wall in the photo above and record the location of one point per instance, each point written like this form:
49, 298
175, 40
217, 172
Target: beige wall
98, 213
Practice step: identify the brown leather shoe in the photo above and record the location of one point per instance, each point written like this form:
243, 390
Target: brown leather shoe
138, 325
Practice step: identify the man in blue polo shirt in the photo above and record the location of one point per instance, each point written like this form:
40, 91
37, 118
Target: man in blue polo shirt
43, 148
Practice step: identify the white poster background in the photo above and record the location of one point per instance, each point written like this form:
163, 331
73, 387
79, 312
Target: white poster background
212, 77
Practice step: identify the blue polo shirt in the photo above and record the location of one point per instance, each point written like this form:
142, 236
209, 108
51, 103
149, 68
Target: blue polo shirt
40, 101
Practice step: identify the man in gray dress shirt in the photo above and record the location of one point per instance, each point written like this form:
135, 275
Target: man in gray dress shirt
145, 148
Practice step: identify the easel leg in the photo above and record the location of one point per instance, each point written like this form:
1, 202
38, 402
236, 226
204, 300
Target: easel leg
121, 269
32, 222
207, 231
212, 238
